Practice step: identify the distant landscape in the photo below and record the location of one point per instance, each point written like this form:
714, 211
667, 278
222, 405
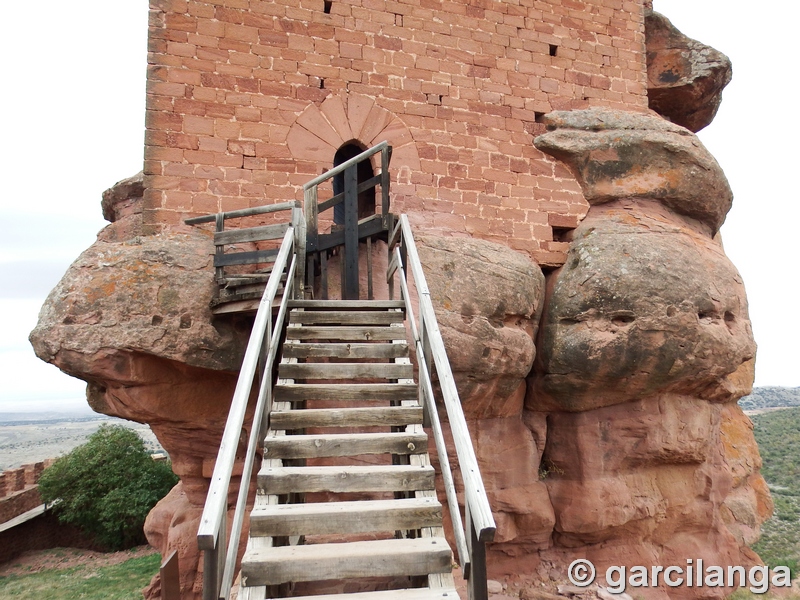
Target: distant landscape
28, 437
771, 397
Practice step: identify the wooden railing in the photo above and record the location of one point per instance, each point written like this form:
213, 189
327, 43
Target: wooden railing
219, 568
354, 229
430, 350
240, 286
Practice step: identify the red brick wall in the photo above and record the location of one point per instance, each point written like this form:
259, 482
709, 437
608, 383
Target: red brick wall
19, 491
249, 99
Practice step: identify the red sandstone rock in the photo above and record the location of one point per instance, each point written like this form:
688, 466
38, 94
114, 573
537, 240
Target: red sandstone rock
685, 78
488, 299
132, 319
616, 154
644, 305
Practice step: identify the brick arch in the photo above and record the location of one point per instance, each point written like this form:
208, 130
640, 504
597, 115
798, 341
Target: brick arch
321, 130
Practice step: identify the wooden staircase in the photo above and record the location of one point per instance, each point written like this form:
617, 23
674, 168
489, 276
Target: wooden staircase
346, 498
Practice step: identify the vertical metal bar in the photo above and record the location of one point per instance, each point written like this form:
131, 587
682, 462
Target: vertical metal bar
220, 250
385, 182
477, 584
350, 233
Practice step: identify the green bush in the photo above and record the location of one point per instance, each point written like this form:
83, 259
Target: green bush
107, 486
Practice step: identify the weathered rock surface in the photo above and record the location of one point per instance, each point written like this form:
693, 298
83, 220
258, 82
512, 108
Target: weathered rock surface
685, 78
131, 317
616, 154
643, 306
644, 347
488, 299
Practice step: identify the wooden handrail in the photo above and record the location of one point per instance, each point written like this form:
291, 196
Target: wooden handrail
428, 341
348, 163
219, 566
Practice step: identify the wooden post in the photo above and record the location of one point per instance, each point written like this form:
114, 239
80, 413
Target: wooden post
211, 573
220, 250
312, 234
426, 351
170, 578
477, 584
370, 295
299, 224
350, 291
323, 274
385, 182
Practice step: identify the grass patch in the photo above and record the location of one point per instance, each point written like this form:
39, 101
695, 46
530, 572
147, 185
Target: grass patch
115, 582
778, 437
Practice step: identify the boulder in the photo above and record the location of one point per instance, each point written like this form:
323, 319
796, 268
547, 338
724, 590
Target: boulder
685, 78
131, 317
644, 305
488, 299
616, 154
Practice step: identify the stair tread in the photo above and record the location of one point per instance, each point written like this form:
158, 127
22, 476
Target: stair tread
293, 392
346, 350
346, 417
344, 517
346, 333
346, 317
344, 444
350, 371
348, 304
405, 594
372, 558
339, 478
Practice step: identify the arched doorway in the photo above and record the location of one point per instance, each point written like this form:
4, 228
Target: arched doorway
366, 199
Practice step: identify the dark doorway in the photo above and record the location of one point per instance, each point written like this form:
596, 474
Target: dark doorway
366, 199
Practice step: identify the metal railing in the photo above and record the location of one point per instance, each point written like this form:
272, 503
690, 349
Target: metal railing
430, 350
219, 567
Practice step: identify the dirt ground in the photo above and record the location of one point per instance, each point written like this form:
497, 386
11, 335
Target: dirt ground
65, 558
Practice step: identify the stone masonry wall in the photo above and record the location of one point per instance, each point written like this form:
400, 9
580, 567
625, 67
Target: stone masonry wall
249, 99
19, 491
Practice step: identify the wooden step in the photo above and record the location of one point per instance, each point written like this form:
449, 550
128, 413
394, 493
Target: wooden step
347, 444
340, 479
345, 517
374, 558
296, 392
348, 334
352, 351
407, 594
347, 304
346, 371
346, 417
340, 317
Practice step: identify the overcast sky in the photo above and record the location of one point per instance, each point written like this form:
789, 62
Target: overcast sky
74, 118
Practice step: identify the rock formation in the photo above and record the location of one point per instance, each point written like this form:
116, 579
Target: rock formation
601, 400
685, 78
131, 318
644, 346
